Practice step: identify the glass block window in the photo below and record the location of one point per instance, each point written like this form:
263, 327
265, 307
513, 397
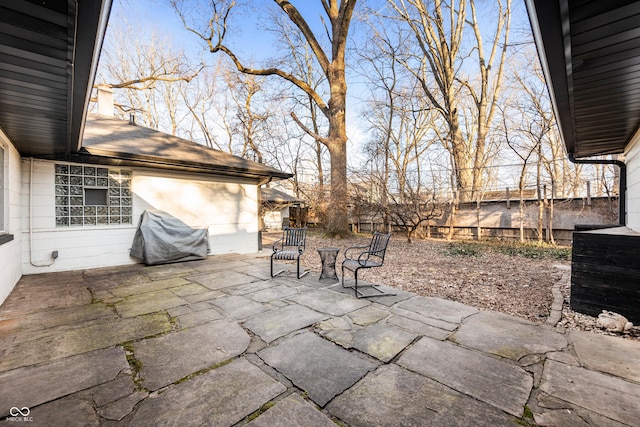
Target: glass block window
90, 195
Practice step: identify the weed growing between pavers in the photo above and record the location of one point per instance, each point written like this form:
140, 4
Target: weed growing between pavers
135, 364
203, 371
173, 321
260, 411
527, 419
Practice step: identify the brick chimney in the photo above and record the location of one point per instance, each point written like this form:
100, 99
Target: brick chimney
105, 100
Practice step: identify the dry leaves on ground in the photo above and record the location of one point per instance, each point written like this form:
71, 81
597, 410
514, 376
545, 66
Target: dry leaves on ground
484, 279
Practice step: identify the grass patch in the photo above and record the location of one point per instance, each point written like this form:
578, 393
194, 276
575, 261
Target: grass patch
533, 250
464, 249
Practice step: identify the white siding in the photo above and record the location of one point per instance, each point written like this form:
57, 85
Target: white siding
229, 210
632, 157
10, 265
274, 220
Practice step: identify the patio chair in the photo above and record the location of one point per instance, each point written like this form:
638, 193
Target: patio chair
371, 256
290, 247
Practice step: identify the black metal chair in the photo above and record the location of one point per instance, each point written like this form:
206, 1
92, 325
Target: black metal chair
290, 247
359, 257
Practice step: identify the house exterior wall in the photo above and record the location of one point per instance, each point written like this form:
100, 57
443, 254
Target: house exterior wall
277, 218
229, 209
10, 265
632, 157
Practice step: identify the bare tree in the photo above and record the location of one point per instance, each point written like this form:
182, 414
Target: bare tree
147, 74
379, 60
524, 138
199, 98
438, 31
331, 61
249, 122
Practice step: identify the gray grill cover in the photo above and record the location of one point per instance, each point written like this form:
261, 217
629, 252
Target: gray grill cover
162, 238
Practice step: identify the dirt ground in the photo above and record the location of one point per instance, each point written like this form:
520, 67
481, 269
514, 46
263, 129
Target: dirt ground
485, 279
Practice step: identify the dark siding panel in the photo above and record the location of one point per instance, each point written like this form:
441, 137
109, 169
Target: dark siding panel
605, 274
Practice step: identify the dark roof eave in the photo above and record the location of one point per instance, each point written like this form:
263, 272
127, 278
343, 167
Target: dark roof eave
559, 27
553, 61
92, 18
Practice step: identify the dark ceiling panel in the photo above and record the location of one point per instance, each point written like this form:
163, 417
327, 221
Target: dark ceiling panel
33, 62
48, 54
605, 53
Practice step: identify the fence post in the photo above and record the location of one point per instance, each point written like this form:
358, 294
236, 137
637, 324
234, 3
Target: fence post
508, 199
588, 193
547, 233
478, 216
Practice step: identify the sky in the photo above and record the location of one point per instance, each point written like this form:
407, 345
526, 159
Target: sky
253, 43
248, 40
252, 40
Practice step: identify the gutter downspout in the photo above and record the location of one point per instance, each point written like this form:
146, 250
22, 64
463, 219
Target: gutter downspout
260, 221
35, 264
622, 188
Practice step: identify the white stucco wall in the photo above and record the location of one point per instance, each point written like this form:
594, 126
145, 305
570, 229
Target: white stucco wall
275, 219
632, 158
10, 261
228, 209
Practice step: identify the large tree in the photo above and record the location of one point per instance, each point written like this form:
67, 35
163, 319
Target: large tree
331, 61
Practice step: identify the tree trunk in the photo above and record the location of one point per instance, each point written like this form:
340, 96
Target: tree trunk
337, 215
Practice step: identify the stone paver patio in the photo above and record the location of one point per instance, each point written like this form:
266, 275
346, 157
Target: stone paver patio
218, 342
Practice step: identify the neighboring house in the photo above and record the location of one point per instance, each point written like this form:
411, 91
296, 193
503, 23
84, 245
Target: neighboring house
275, 207
69, 202
590, 52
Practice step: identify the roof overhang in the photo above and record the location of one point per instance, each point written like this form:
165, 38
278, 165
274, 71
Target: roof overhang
590, 53
48, 57
128, 160
114, 142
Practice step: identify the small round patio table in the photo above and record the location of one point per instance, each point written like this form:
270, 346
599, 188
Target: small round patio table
328, 257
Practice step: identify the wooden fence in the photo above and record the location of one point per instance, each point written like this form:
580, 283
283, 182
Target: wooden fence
500, 219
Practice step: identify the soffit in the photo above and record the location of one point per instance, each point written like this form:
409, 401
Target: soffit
591, 56
48, 56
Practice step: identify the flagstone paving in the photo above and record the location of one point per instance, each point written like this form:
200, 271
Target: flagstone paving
219, 342
493, 381
171, 357
394, 396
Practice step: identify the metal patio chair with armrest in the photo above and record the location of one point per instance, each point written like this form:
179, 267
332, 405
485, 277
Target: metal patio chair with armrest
290, 247
371, 256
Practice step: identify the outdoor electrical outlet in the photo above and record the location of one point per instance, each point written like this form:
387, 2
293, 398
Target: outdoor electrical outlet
54, 254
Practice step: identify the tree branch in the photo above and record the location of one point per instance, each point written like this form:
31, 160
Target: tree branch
302, 25
308, 131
